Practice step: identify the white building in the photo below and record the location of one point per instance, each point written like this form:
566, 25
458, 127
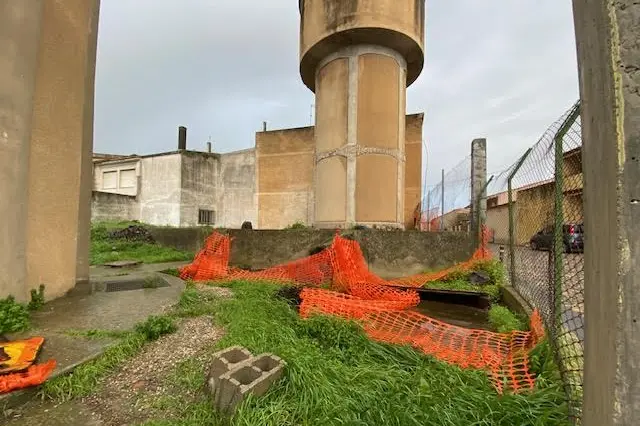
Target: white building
179, 188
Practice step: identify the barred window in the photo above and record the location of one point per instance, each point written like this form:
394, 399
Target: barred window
206, 217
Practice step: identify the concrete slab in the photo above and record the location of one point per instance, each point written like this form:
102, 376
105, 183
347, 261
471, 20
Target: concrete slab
93, 310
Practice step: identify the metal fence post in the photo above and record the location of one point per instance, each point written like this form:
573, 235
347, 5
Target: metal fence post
558, 240
512, 238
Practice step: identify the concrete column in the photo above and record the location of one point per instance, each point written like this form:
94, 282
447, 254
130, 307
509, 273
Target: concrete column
19, 40
607, 36
360, 125
359, 58
478, 189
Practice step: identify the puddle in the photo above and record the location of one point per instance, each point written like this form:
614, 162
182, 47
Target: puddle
460, 315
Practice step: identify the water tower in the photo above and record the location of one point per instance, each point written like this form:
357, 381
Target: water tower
358, 57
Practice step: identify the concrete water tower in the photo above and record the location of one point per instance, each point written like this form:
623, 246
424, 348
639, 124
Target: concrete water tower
358, 57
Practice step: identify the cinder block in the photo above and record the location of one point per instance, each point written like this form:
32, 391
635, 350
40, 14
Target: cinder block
253, 376
222, 362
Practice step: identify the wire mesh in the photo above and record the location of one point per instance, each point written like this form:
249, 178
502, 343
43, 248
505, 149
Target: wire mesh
535, 225
445, 206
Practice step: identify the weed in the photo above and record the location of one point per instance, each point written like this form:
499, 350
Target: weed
194, 303
503, 320
14, 316
494, 269
156, 326
37, 298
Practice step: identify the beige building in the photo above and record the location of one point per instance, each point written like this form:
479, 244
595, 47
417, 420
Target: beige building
535, 204
286, 175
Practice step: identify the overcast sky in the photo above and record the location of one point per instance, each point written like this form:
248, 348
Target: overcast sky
500, 69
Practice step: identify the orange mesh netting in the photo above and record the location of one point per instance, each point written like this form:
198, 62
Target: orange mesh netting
382, 307
16, 369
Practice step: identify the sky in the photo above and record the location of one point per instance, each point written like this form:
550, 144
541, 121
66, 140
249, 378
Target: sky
501, 69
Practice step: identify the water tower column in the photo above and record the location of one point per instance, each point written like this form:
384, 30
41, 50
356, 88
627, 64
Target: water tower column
358, 58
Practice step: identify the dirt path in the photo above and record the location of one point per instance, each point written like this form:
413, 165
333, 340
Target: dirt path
133, 393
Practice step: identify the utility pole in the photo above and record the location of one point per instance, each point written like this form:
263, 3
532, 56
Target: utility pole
442, 212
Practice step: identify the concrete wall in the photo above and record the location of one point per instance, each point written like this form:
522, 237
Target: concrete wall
534, 211
47, 68
498, 224
389, 253
106, 206
284, 174
237, 185
199, 186
160, 190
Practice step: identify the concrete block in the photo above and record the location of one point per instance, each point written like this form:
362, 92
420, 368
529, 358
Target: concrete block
222, 362
252, 375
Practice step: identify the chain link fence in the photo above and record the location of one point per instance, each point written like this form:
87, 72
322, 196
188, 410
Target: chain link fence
446, 205
535, 224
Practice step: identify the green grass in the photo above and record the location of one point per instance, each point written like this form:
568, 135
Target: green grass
84, 379
335, 375
459, 279
503, 320
104, 249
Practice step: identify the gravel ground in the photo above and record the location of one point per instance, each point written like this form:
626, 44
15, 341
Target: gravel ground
143, 378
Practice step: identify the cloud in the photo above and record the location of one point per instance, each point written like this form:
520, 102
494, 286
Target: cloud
504, 70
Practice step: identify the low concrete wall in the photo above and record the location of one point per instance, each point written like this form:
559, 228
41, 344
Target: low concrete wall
107, 206
388, 253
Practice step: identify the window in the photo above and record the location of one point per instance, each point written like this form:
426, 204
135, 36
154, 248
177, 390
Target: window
128, 178
206, 217
110, 180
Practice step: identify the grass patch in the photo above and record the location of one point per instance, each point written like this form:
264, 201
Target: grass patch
105, 249
84, 379
458, 279
335, 375
97, 334
504, 321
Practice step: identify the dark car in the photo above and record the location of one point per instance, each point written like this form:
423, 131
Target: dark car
572, 238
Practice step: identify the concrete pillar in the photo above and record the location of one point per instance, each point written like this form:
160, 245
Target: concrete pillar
19, 38
478, 188
607, 36
50, 239
359, 57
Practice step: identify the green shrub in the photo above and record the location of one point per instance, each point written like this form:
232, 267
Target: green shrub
505, 321
156, 326
14, 316
37, 298
494, 269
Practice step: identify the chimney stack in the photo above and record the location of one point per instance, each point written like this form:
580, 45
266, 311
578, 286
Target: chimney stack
182, 137
264, 126
208, 146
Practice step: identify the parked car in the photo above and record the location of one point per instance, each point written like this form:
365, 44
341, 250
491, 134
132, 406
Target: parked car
572, 238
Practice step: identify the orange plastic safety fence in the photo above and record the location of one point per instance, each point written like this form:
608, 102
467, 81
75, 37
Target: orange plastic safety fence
384, 311
32, 376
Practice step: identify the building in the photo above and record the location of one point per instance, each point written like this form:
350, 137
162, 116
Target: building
178, 188
271, 185
534, 204
287, 178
